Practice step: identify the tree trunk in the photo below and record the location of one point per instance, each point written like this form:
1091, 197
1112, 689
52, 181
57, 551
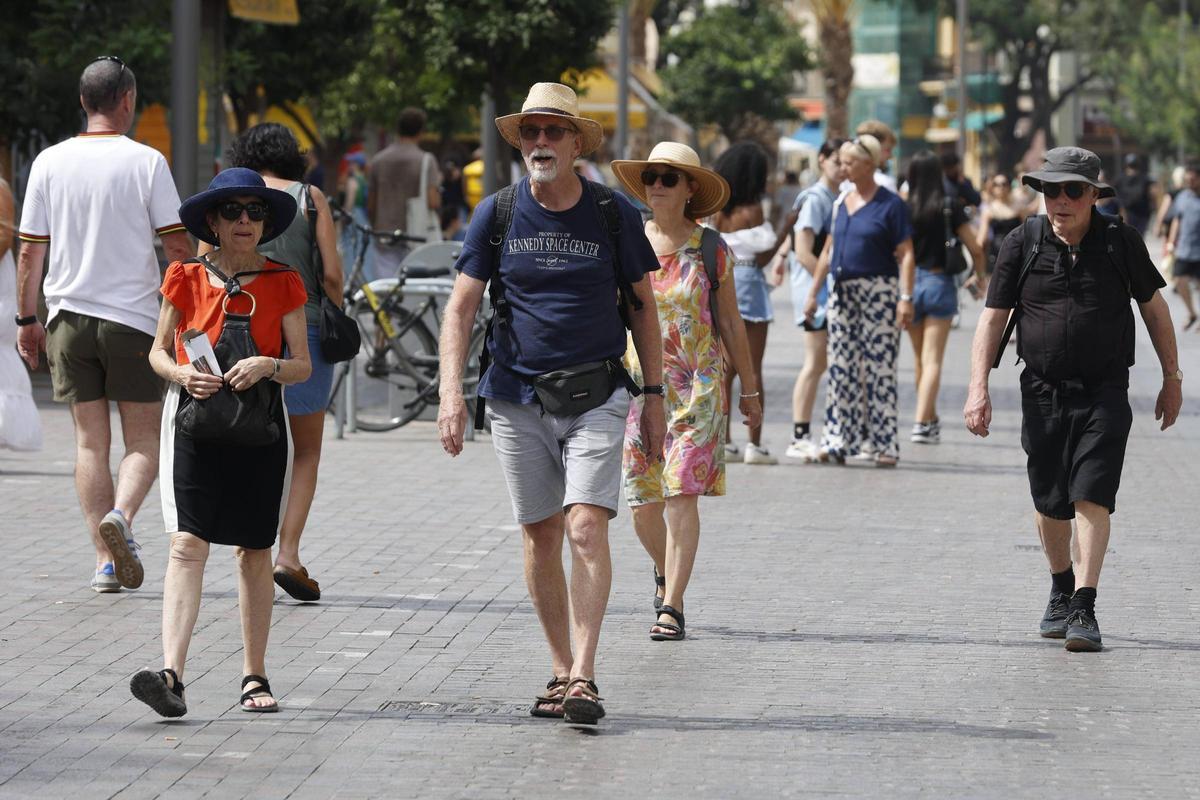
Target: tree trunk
837, 48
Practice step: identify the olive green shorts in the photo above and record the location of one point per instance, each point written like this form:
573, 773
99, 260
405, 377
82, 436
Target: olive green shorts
95, 359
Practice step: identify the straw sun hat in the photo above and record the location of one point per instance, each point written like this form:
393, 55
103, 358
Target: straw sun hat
710, 196
554, 99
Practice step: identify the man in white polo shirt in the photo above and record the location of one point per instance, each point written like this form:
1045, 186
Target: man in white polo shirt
95, 203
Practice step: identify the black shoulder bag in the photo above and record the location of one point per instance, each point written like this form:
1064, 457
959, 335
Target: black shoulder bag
249, 418
956, 262
340, 336
709, 241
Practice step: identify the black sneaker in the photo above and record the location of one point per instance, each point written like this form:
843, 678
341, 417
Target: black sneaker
1054, 621
1083, 634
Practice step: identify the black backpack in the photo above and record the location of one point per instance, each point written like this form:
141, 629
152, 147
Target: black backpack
502, 217
1034, 231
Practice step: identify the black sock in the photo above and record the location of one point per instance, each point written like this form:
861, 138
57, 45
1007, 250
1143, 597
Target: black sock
799, 430
1064, 581
1084, 598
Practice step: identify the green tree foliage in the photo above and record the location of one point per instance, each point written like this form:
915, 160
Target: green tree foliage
45, 45
1152, 101
442, 54
734, 63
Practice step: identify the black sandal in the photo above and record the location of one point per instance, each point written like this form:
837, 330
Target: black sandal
153, 689
676, 631
659, 580
550, 698
585, 708
262, 690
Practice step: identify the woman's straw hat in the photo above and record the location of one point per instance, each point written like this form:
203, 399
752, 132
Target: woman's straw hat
554, 99
709, 197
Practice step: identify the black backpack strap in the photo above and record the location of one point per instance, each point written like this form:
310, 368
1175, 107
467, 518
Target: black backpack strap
1031, 247
1114, 246
610, 216
502, 217
710, 241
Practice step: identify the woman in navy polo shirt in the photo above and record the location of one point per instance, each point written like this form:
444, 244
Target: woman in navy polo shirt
869, 252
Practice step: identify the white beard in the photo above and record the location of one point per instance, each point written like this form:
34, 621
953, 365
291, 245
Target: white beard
539, 173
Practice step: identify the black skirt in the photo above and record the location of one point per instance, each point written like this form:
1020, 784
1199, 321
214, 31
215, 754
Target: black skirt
224, 494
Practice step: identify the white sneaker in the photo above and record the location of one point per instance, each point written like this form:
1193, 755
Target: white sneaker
804, 450
758, 455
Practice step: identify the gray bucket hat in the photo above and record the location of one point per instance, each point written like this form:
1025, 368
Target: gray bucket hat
1066, 164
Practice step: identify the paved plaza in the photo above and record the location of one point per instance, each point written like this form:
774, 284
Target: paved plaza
851, 632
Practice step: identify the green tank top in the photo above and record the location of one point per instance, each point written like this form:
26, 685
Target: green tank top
294, 248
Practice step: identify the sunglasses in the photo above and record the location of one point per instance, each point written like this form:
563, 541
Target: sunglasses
232, 210
554, 133
1074, 189
669, 178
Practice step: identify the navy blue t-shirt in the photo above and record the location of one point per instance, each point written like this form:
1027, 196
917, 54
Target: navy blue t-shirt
560, 283
865, 242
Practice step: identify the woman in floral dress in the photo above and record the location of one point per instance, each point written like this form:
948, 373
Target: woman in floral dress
662, 488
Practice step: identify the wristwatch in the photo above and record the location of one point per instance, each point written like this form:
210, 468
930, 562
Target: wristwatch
1177, 375
906, 298
23, 321
655, 388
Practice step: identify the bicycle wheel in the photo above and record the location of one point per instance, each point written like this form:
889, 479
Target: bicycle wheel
390, 393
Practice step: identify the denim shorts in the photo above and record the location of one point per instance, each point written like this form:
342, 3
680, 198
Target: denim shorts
935, 295
312, 395
753, 293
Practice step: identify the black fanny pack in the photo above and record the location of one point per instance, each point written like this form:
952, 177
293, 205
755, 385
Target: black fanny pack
578, 389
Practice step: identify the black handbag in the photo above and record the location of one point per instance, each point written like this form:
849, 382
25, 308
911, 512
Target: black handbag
249, 418
340, 336
956, 261
576, 390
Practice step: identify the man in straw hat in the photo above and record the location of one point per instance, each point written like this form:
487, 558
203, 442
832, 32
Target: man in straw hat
555, 263
1068, 275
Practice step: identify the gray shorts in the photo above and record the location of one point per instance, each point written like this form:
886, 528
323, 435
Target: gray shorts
552, 462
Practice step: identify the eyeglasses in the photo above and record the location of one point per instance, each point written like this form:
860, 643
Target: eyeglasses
1074, 189
669, 178
232, 211
120, 75
554, 133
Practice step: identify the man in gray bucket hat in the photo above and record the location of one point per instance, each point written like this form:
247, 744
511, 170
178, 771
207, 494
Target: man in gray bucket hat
1068, 276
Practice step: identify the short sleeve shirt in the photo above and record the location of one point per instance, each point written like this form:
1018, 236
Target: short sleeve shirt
560, 283
1076, 321
865, 242
929, 236
1187, 208
98, 200
815, 205
394, 178
187, 287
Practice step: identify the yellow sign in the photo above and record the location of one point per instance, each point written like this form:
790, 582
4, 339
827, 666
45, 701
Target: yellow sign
275, 12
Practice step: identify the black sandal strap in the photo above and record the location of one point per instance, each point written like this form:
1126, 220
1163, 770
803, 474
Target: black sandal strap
672, 612
264, 687
175, 686
659, 580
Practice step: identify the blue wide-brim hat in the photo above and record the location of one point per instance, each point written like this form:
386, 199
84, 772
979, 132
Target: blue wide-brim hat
234, 182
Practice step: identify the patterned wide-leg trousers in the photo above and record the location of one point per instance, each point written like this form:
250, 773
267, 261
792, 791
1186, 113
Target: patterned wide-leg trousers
864, 342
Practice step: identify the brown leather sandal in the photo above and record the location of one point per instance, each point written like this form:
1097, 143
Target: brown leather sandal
584, 708
297, 583
556, 689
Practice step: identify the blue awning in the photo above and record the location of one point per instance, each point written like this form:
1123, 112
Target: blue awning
811, 134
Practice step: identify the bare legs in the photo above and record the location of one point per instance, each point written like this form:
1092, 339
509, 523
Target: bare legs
756, 336
1183, 284
307, 430
136, 473
816, 360
582, 609
1093, 524
672, 544
929, 346
181, 603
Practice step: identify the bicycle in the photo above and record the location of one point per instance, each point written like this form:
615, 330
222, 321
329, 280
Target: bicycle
396, 375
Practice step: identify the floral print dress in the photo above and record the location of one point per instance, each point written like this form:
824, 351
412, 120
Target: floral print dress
693, 451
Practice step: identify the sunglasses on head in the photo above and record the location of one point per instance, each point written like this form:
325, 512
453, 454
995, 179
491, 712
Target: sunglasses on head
554, 133
669, 178
120, 75
1074, 189
232, 210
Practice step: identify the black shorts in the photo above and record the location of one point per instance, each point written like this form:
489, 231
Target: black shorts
1186, 269
1075, 439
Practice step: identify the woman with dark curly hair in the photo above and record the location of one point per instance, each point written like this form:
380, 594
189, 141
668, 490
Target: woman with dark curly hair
272, 151
752, 241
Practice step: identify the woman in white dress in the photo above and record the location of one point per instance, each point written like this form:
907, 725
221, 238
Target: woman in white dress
20, 427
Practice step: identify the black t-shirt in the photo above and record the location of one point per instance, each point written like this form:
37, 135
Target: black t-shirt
1134, 193
1076, 323
929, 236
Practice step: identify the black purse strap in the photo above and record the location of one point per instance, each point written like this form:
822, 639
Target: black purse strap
310, 213
232, 285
